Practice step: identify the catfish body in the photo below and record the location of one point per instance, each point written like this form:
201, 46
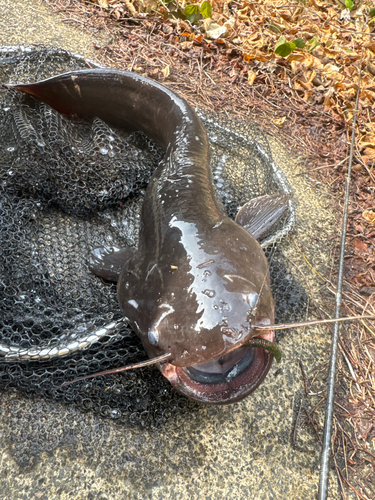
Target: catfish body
198, 282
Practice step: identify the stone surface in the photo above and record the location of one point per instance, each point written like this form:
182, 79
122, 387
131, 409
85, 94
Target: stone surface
34, 22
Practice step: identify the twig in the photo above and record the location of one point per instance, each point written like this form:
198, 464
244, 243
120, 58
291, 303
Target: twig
339, 473
311, 422
295, 430
350, 368
303, 376
72, 19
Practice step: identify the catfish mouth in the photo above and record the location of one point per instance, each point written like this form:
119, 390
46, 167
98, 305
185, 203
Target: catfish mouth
222, 370
222, 380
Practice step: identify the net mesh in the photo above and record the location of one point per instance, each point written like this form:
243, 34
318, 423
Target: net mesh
68, 186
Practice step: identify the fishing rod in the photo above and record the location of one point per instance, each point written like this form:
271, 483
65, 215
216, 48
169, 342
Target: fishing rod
323, 479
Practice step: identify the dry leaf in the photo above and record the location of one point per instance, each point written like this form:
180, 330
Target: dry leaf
370, 45
364, 427
311, 76
147, 5
370, 94
371, 68
216, 31
298, 61
349, 94
166, 71
328, 102
186, 45
368, 157
371, 127
369, 215
359, 244
206, 23
332, 72
368, 140
279, 121
248, 57
370, 152
130, 6
251, 75
301, 85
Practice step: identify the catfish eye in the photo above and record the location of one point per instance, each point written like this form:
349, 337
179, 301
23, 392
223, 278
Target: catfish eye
153, 337
251, 299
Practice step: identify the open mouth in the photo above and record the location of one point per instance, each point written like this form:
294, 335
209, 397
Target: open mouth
222, 380
222, 370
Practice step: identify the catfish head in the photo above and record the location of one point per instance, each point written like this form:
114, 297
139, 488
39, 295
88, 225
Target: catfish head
212, 317
198, 299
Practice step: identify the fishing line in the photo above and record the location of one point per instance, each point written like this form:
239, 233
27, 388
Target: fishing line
140, 364
323, 479
285, 326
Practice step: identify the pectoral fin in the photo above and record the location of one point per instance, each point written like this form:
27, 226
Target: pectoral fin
107, 262
260, 214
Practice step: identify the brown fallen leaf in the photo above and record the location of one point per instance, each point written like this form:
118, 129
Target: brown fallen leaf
332, 72
369, 215
359, 244
364, 426
279, 121
369, 155
166, 71
368, 140
131, 7
251, 75
371, 68
298, 61
370, 45
328, 102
